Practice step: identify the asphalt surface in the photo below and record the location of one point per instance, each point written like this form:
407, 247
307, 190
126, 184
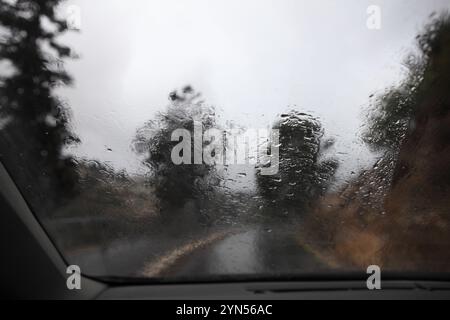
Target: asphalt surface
252, 251
258, 251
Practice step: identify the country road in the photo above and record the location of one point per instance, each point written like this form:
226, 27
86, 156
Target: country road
248, 251
258, 251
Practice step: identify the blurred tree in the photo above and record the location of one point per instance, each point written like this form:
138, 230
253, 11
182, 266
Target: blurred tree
33, 121
391, 114
302, 175
175, 184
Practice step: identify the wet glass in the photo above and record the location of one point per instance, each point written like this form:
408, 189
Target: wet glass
197, 139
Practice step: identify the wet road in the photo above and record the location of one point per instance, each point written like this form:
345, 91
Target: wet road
258, 251
247, 251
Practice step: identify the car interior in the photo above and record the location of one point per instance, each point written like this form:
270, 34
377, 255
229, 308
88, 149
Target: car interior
224, 150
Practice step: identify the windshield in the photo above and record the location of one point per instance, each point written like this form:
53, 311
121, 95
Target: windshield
198, 139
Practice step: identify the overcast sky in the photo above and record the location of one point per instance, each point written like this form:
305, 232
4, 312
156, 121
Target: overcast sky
252, 59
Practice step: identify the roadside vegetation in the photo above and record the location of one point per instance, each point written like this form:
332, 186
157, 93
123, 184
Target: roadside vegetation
396, 214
